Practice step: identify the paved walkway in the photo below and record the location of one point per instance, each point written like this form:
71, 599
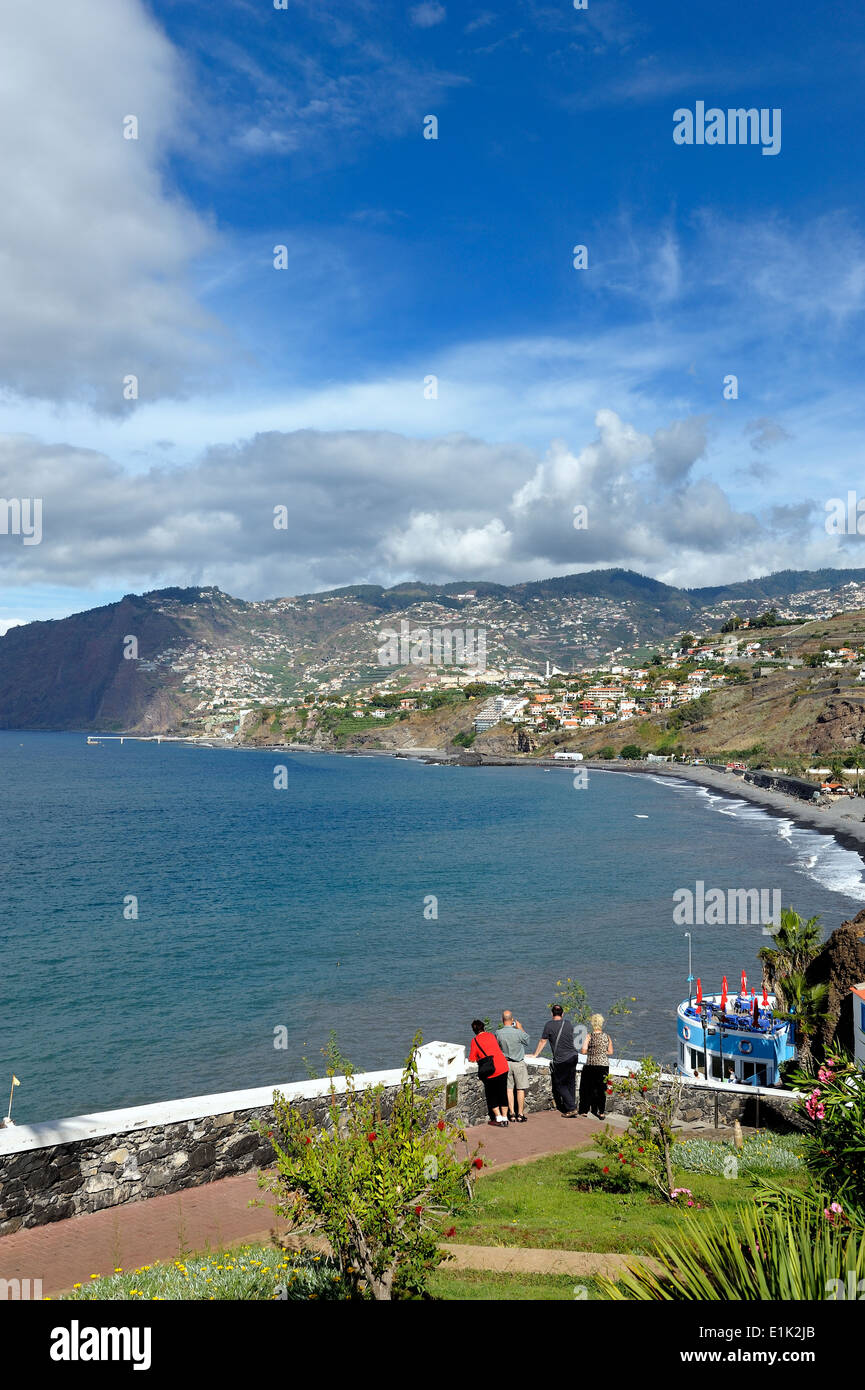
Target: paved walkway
217, 1213
514, 1259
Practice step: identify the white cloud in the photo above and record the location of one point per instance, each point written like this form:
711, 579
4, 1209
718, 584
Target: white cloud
374, 506
96, 247
427, 14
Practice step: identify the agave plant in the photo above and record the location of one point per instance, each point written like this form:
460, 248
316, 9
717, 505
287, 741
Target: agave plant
786, 1250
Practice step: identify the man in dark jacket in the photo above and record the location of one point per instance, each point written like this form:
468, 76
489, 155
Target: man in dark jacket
559, 1033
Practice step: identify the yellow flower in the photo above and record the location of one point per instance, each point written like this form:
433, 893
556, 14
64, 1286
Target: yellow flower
76, 1286
118, 1271
94, 1276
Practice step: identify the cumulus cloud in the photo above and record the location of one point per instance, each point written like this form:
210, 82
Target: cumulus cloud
373, 506
96, 246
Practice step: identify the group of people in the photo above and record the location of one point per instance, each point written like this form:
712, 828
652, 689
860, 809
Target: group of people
501, 1059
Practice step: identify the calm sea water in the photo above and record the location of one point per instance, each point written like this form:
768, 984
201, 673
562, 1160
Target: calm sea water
303, 909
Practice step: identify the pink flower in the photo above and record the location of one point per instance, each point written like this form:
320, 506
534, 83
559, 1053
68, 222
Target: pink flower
815, 1108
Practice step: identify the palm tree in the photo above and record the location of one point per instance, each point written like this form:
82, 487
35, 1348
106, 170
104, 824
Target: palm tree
805, 1009
836, 768
796, 943
857, 759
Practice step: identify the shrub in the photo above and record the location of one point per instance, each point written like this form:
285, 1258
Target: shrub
632, 750
378, 1187
606, 1177
647, 1144
761, 1155
833, 1143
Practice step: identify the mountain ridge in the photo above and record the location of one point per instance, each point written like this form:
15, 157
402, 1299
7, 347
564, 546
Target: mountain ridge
196, 644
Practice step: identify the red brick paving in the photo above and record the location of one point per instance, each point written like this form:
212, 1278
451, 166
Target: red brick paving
217, 1213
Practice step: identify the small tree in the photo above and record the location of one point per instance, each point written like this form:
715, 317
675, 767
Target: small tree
575, 1001
377, 1186
647, 1143
632, 750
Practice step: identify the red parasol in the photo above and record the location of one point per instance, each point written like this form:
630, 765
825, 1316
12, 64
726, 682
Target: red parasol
744, 983
699, 993
724, 995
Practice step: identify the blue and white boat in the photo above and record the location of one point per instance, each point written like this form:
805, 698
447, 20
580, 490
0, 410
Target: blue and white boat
740, 1043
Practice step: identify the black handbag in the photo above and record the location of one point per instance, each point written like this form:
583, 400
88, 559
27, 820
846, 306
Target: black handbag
486, 1066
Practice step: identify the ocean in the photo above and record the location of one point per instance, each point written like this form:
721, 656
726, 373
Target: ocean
172, 924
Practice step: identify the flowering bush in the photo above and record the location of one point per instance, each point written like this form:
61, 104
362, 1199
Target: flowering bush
833, 1144
379, 1188
647, 1143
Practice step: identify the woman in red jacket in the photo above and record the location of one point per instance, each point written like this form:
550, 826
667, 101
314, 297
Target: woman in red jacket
485, 1050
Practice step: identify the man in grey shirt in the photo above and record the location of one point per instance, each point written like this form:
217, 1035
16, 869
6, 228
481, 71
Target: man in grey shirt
512, 1040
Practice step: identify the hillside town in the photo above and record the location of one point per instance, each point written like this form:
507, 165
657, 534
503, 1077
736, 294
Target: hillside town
224, 686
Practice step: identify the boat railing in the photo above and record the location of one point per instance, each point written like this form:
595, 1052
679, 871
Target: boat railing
743, 1021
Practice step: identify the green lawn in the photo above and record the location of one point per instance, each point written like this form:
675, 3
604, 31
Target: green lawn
539, 1205
471, 1285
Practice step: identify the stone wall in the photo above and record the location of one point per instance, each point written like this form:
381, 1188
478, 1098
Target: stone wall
47, 1184
43, 1180
718, 1106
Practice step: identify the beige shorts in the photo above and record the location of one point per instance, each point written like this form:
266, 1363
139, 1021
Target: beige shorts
518, 1076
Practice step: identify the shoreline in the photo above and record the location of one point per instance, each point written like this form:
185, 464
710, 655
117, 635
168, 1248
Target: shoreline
843, 821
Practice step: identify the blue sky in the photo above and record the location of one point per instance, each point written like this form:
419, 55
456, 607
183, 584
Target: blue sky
408, 257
